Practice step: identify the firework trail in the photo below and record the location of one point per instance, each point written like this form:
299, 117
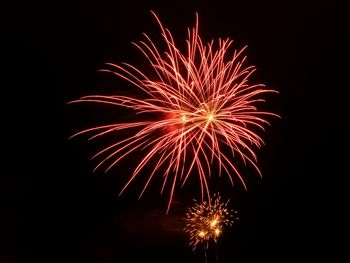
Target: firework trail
205, 221
206, 112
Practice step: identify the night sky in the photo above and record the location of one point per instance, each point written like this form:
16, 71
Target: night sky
53, 208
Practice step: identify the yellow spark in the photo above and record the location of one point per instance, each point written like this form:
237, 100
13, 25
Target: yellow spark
201, 234
213, 223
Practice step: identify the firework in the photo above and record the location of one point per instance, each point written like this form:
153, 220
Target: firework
197, 111
205, 221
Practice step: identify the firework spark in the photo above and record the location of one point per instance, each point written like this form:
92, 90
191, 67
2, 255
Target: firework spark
205, 221
206, 112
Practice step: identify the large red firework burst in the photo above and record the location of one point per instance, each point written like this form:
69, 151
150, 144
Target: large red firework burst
203, 102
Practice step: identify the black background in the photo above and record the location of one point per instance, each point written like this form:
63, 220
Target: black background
54, 209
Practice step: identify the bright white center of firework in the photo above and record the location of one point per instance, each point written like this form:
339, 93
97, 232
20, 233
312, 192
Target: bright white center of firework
213, 223
210, 116
201, 234
183, 118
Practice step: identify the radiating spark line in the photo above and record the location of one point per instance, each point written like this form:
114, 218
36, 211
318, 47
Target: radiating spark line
207, 112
